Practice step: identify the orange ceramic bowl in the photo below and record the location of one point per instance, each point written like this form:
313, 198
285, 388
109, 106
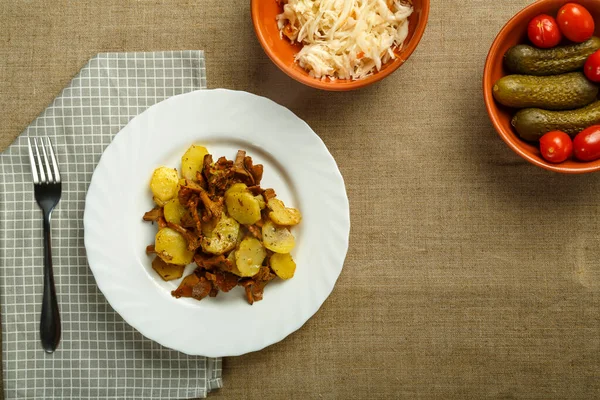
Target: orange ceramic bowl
515, 32
282, 52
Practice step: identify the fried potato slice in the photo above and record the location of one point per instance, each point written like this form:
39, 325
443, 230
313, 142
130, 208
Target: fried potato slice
234, 268
277, 238
172, 247
164, 184
261, 201
283, 265
243, 207
174, 211
236, 187
249, 256
192, 161
167, 272
282, 215
222, 237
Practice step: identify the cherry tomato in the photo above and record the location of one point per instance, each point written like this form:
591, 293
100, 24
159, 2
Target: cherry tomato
543, 31
575, 22
592, 67
556, 146
586, 144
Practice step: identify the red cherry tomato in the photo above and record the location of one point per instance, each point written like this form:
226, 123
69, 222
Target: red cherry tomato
556, 146
586, 144
543, 31
592, 67
575, 22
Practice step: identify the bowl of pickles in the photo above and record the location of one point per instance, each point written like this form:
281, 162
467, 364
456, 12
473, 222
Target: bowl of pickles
541, 84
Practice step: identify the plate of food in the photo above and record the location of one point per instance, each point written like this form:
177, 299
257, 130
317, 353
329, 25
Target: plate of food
216, 223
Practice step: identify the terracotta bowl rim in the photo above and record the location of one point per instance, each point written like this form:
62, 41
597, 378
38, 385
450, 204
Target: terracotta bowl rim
333, 86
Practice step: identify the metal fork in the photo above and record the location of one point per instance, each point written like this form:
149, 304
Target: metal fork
47, 189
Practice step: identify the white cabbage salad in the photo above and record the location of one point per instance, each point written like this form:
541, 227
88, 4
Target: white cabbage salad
345, 39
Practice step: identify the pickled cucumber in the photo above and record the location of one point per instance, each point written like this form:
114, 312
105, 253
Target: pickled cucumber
556, 92
528, 60
532, 123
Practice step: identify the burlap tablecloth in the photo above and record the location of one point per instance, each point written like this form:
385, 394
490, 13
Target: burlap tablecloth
470, 274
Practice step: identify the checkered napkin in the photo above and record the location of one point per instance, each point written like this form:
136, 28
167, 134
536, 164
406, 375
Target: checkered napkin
99, 356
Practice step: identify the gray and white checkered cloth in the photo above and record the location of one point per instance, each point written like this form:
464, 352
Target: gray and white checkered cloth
100, 356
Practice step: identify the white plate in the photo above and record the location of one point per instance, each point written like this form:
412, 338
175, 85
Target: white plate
297, 165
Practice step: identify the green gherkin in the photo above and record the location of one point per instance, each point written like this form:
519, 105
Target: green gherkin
528, 60
556, 92
533, 123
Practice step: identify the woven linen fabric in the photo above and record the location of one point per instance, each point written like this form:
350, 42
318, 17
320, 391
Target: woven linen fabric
471, 274
100, 355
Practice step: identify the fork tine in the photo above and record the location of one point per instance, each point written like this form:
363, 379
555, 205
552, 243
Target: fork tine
53, 159
40, 165
48, 170
36, 180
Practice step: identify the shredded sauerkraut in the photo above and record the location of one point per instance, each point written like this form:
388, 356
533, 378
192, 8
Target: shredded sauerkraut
345, 39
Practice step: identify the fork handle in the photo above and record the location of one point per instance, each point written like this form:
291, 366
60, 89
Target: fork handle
50, 329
